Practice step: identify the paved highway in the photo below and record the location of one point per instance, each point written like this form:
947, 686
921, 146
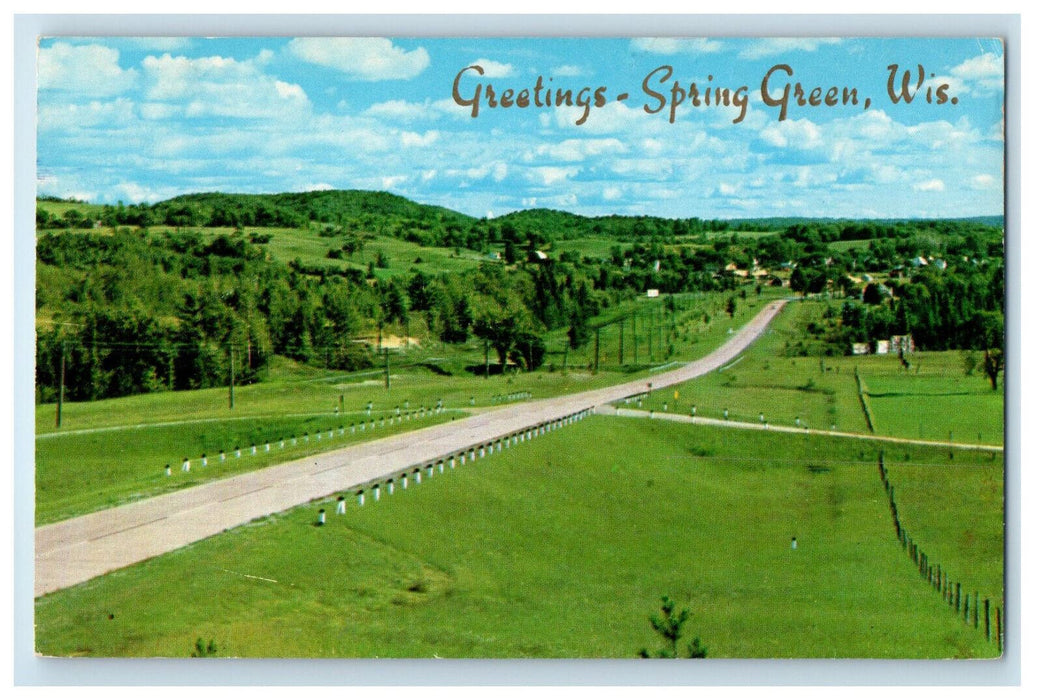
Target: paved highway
78, 549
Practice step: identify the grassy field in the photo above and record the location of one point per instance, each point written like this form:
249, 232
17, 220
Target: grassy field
78, 472
932, 400
954, 525
58, 208
556, 550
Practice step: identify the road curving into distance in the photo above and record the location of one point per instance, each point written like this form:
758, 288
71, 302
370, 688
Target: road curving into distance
78, 549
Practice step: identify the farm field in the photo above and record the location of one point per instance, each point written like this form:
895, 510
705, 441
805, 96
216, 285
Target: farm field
112, 451
931, 400
465, 561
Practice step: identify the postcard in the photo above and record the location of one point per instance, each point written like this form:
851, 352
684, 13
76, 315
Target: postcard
473, 347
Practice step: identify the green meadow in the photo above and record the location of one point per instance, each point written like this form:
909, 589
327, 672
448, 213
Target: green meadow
954, 524
552, 549
933, 399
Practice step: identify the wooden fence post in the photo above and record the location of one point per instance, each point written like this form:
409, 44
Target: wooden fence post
998, 627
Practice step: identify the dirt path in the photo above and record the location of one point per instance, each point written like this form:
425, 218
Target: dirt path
78, 549
698, 420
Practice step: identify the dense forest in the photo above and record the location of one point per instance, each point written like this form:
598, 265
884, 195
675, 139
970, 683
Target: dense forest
183, 293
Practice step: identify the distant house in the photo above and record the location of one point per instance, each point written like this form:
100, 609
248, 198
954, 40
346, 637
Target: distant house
537, 256
652, 293
892, 346
902, 343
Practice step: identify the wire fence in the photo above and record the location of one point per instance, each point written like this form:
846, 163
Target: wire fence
965, 605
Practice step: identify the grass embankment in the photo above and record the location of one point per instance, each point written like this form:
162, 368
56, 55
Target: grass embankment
933, 399
90, 471
555, 549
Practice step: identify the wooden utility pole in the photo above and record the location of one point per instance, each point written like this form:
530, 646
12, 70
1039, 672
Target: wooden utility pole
387, 368
633, 334
651, 353
596, 349
486, 358
662, 320
61, 389
231, 376
622, 329
566, 357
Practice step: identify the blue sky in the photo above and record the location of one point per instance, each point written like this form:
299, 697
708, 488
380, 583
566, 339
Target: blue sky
140, 120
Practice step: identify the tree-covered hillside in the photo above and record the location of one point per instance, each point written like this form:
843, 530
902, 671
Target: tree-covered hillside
183, 293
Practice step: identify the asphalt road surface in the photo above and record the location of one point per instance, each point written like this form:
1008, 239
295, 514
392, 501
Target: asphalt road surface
78, 549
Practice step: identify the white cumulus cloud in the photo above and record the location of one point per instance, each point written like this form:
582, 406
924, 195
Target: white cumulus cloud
219, 86
794, 133
398, 109
75, 116
573, 150
670, 46
773, 47
985, 73
89, 70
568, 71
550, 175
983, 181
364, 58
934, 185
493, 69
411, 138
